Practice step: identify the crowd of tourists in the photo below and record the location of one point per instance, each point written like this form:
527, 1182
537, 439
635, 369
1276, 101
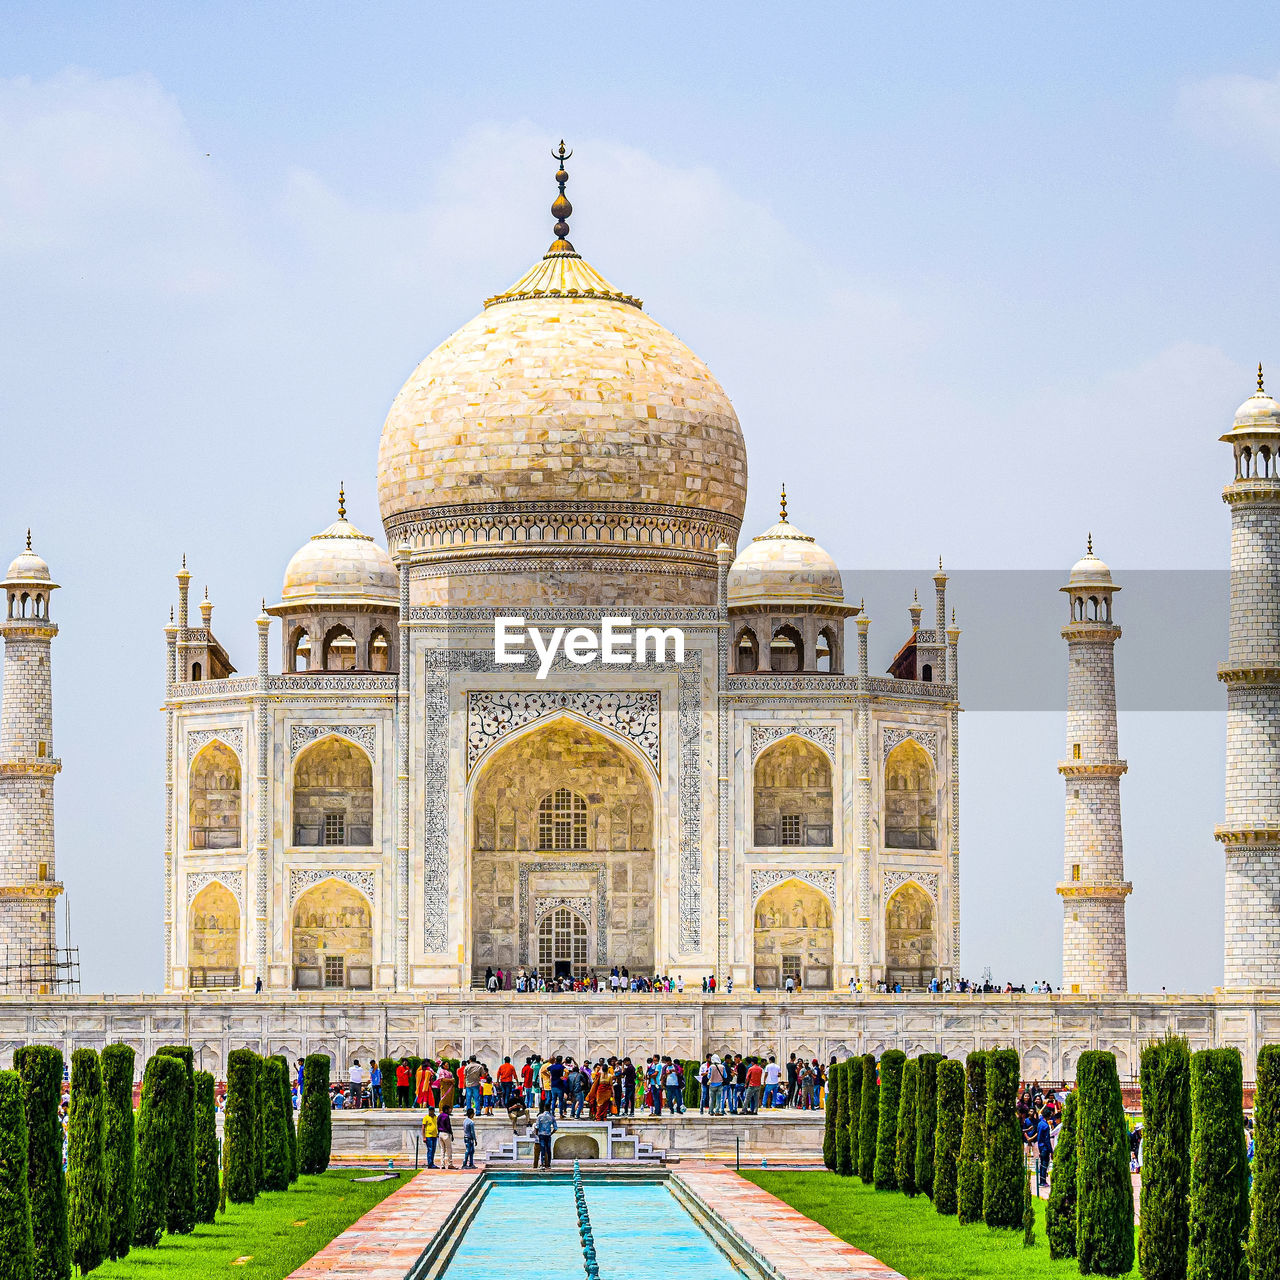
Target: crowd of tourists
620, 980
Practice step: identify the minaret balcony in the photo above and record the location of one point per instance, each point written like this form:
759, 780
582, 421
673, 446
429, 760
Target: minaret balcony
31, 766
1236, 673
1095, 888
1261, 833
1083, 769
31, 889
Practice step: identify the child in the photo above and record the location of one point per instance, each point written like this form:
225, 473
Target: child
486, 1093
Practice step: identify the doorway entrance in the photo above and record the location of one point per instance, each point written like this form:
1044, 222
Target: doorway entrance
562, 943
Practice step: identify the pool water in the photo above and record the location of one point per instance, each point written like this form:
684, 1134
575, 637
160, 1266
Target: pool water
641, 1233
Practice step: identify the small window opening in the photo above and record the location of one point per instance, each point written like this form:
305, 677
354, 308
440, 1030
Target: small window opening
335, 828
1075, 871
1075, 751
333, 976
196, 672
790, 828
44, 871
926, 673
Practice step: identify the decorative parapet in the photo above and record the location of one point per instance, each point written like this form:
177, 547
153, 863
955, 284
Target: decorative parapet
1076, 769
1263, 834
32, 889
1095, 889
31, 766
1230, 673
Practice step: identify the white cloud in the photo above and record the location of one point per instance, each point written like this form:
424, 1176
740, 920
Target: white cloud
1239, 110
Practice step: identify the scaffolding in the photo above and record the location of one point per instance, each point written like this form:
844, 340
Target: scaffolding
43, 971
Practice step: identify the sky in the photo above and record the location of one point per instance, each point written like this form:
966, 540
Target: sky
978, 279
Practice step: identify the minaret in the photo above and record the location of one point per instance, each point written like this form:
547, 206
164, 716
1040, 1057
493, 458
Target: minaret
1093, 889
28, 884
1250, 832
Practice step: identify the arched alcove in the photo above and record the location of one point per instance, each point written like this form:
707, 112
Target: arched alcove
792, 795
786, 650
213, 938
746, 651
213, 808
793, 935
340, 652
911, 951
333, 795
910, 798
332, 938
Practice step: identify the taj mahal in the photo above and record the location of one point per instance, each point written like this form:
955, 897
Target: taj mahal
397, 803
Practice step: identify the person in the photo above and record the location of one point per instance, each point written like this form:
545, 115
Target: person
715, 1078
1044, 1151
671, 1077
704, 1084
628, 1087
487, 1092
356, 1079
419, 1086
506, 1080
472, 1075
257, 986
543, 1128
430, 1136
469, 1141
375, 1082
555, 1072
526, 1080
790, 985
772, 1074
793, 1075
739, 1086
404, 1093
300, 1078
576, 1084
444, 1128
543, 1081
604, 1091
755, 1074
339, 1101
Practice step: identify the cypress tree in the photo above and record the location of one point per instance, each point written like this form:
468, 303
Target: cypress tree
389, 1096
277, 1162
904, 1160
1264, 1230
926, 1120
973, 1141
1060, 1212
40, 1068
1104, 1190
891, 1063
1166, 1159
180, 1211
950, 1126
17, 1245
259, 1127
1004, 1169
206, 1144
830, 1154
240, 1125
86, 1171
1219, 1168
286, 1102
853, 1095
868, 1119
164, 1084
844, 1148
315, 1119
118, 1146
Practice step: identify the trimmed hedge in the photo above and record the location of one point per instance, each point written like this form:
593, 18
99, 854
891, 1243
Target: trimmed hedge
180, 1212
286, 1102
926, 1120
973, 1140
1060, 1212
277, 1163
86, 1173
1219, 1168
692, 1085
844, 1148
891, 1064
315, 1121
240, 1125
159, 1115
948, 1131
1264, 1230
1166, 1159
1004, 1170
1104, 1190
118, 1146
830, 1150
259, 1127
206, 1145
40, 1068
868, 1119
853, 1094
390, 1096
17, 1244
904, 1160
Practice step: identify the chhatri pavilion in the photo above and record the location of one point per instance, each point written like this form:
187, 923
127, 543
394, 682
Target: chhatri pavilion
397, 808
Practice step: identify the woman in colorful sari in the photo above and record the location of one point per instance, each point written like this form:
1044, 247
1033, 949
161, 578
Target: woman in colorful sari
419, 1085
444, 1082
604, 1092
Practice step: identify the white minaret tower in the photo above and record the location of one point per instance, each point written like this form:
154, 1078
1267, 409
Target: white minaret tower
1251, 830
28, 885
1094, 953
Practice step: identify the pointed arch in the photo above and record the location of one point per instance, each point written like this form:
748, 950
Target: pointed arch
213, 937
746, 651
331, 937
910, 933
300, 649
214, 797
792, 795
910, 798
794, 937
786, 649
333, 794
339, 652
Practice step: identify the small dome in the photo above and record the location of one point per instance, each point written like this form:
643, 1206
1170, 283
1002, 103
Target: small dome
783, 564
29, 567
1089, 571
1259, 410
338, 564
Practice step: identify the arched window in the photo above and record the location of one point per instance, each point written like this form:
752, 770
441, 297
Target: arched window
910, 798
333, 795
793, 937
39, 613
197, 671
214, 798
26, 600
332, 938
562, 820
339, 650
792, 795
911, 955
379, 651
747, 651
825, 656
562, 944
926, 673
786, 650
213, 940
300, 654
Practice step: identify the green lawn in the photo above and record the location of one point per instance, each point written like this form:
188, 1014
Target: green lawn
909, 1235
277, 1233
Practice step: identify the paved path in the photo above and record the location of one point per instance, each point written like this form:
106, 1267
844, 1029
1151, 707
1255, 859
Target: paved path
390, 1238
796, 1247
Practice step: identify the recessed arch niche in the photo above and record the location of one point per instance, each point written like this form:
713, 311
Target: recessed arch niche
213, 809
213, 938
793, 935
910, 932
792, 795
332, 943
910, 798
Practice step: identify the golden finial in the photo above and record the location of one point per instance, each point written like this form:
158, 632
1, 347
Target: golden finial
171, 615
939, 564
264, 604
915, 597
561, 208
784, 504
28, 539
184, 559
953, 615
1261, 389
342, 501
1088, 546
206, 591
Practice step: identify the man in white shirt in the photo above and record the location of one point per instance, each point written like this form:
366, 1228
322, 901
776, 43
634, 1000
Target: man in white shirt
772, 1074
357, 1082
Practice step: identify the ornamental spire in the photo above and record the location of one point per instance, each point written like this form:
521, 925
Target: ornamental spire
561, 208
783, 504
1088, 546
1261, 389
28, 539
342, 501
